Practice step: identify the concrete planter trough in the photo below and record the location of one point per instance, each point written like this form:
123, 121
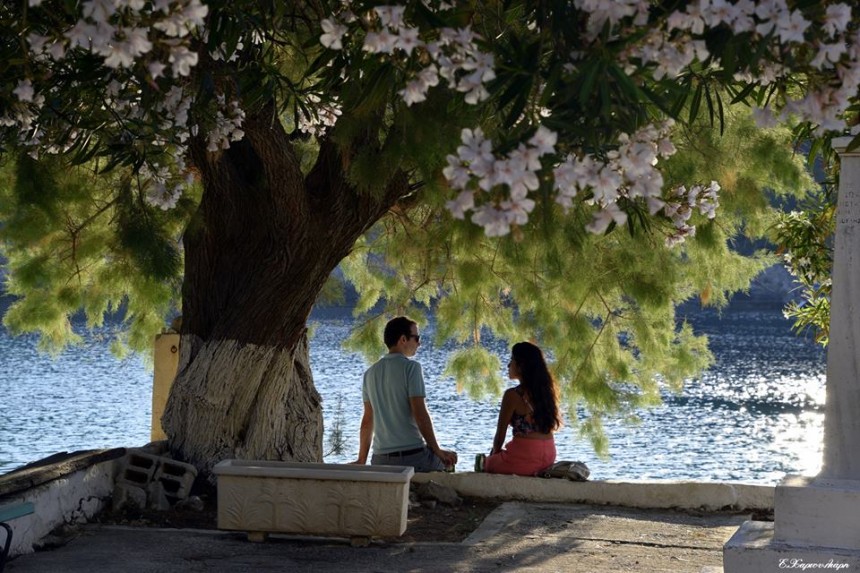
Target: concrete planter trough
262, 497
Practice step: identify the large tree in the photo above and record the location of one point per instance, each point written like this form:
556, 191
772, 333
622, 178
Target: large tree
513, 163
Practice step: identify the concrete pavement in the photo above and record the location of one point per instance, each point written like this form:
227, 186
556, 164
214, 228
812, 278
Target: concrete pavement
530, 537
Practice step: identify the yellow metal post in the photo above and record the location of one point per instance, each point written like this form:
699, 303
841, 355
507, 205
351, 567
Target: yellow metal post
166, 362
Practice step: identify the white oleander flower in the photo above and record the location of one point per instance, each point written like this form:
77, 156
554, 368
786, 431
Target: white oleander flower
837, 18
100, 11
333, 34
24, 92
457, 174
183, 60
464, 202
603, 217
544, 140
407, 40
391, 16
116, 54
605, 185
156, 69
790, 27
517, 211
382, 42
493, 220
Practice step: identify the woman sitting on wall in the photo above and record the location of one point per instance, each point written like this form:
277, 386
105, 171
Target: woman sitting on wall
531, 409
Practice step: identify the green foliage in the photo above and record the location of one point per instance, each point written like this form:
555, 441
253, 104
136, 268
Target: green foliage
602, 306
762, 159
75, 241
805, 236
336, 438
476, 371
332, 293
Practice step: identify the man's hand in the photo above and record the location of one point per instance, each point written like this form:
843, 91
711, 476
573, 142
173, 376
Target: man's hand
358, 463
448, 457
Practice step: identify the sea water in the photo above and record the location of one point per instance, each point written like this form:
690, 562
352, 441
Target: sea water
756, 415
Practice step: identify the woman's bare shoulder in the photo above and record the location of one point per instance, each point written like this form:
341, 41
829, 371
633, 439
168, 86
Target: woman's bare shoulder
513, 394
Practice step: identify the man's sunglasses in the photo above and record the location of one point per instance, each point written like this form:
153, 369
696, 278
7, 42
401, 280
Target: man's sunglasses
417, 337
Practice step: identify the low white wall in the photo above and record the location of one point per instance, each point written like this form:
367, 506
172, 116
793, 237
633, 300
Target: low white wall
658, 494
73, 498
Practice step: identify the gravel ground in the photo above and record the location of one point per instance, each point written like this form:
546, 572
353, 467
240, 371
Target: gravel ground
522, 537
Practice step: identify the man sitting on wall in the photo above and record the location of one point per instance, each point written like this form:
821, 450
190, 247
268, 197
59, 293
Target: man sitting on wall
395, 414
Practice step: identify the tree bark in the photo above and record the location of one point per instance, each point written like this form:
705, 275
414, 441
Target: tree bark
263, 243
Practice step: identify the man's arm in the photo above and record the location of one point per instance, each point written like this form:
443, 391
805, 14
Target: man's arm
365, 434
425, 426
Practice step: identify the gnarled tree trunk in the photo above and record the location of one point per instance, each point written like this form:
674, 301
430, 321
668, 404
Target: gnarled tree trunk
256, 256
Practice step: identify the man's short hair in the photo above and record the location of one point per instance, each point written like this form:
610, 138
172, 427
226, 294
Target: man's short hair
397, 327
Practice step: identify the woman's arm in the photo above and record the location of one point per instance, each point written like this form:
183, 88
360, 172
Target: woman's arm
506, 410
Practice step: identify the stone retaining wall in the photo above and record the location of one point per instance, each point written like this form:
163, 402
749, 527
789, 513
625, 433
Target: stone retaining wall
657, 494
64, 488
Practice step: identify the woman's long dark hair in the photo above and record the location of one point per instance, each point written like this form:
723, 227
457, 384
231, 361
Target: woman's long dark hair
538, 384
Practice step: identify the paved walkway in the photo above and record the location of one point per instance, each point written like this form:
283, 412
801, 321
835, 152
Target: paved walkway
523, 537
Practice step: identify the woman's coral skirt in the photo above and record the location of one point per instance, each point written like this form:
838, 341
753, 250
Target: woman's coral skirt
522, 457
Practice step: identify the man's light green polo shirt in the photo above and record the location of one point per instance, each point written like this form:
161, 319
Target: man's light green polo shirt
388, 385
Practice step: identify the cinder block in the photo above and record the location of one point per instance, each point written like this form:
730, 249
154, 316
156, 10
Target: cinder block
176, 478
138, 468
125, 494
156, 481
176, 469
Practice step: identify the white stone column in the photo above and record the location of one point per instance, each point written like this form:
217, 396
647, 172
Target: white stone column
842, 410
817, 520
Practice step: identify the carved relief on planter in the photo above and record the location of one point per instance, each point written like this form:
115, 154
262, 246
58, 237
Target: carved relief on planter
330, 499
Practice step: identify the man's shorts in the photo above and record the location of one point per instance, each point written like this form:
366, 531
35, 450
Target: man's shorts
422, 459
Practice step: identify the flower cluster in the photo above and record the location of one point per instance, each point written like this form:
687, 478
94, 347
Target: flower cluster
629, 173
146, 48
454, 57
496, 189
161, 187
809, 259
228, 124
457, 59
602, 13
681, 204
121, 32
476, 169
324, 115
669, 55
672, 47
23, 111
132, 38
176, 105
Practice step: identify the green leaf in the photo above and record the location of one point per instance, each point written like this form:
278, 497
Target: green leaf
742, 95
710, 104
697, 101
588, 77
